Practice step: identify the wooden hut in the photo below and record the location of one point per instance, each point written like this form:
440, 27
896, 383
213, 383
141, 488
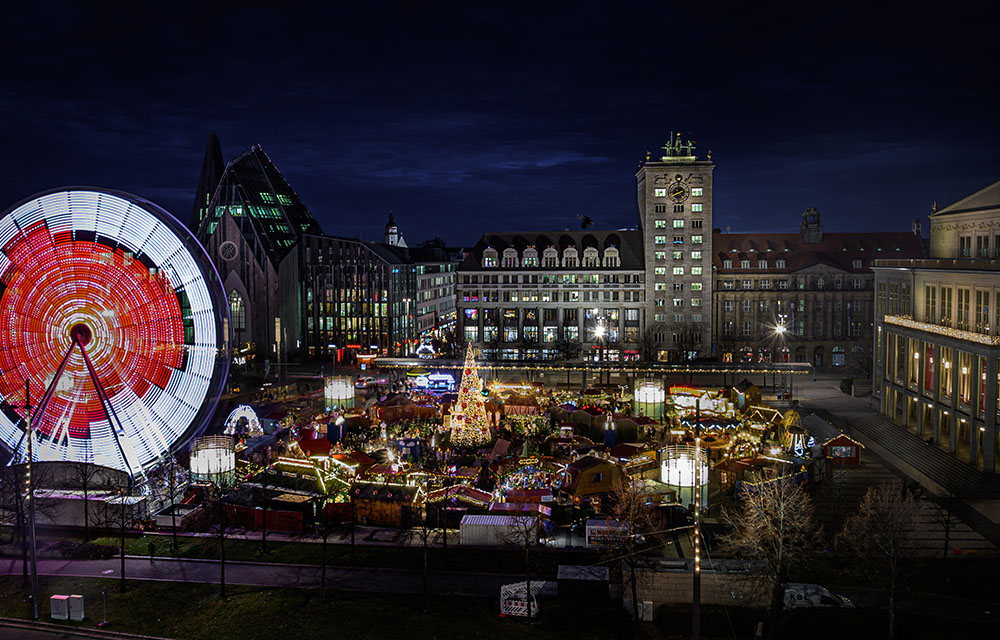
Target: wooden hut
843, 450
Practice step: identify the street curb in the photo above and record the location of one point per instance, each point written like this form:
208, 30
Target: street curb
18, 623
304, 566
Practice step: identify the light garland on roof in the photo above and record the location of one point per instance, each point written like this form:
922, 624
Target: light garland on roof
958, 334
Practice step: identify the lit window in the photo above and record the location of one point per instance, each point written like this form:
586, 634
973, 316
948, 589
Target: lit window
659, 193
678, 271
678, 223
266, 197
695, 302
695, 286
678, 255
660, 224
678, 302
696, 208
659, 239
661, 255
696, 255
660, 271
696, 191
696, 239
696, 271
660, 286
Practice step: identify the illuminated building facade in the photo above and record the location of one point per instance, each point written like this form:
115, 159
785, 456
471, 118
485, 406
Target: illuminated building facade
532, 296
937, 324
675, 194
436, 274
358, 297
294, 292
800, 297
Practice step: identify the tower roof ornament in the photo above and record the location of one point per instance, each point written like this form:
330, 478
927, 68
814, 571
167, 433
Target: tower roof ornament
677, 148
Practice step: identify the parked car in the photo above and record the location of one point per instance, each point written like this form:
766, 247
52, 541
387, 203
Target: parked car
364, 381
801, 596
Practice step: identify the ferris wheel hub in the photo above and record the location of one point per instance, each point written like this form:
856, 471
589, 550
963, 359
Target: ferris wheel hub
81, 333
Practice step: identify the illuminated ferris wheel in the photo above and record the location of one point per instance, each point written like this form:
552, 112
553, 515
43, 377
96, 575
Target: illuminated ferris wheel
115, 319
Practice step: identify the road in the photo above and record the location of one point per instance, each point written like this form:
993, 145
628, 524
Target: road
271, 575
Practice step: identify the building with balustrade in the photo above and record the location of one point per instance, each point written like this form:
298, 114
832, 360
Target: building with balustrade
937, 328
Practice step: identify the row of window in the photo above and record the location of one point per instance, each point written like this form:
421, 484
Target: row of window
676, 318
548, 335
778, 264
782, 306
954, 310
552, 296
696, 192
982, 247
557, 278
695, 239
677, 223
550, 258
855, 329
785, 283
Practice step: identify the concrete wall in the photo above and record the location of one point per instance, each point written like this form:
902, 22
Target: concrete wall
669, 582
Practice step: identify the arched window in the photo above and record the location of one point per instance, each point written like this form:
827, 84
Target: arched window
490, 257
570, 257
531, 257
237, 311
509, 258
550, 257
590, 257
611, 258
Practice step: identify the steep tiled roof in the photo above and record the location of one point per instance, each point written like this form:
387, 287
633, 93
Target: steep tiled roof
838, 250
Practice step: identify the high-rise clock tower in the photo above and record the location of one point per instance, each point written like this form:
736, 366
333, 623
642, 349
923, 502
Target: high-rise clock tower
675, 216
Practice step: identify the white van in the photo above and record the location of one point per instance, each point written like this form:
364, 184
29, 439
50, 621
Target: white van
801, 596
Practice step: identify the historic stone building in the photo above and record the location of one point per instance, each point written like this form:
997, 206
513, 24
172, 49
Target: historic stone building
800, 297
937, 328
617, 294
549, 295
675, 219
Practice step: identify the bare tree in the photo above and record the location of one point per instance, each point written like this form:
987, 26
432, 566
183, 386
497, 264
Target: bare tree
944, 516
266, 481
774, 524
220, 510
14, 500
630, 510
119, 514
879, 538
648, 344
522, 534
84, 474
424, 533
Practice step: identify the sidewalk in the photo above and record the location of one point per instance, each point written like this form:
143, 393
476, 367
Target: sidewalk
858, 418
271, 575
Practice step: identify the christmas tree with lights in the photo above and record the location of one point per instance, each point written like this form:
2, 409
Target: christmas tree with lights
468, 419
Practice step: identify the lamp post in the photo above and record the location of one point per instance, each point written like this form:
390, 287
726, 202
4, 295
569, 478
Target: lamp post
31, 505
779, 333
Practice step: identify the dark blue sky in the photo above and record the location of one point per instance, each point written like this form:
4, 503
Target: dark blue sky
465, 118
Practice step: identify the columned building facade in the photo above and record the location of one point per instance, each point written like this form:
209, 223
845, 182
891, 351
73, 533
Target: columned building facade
938, 333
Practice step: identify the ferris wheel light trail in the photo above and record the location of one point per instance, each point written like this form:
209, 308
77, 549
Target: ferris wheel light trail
115, 316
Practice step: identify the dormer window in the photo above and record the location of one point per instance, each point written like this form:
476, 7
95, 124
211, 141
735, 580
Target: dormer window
611, 257
490, 258
744, 264
530, 257
509, 258
780, 264
550, 258
590, 258
856, 264
762, 264
570, 257
727, 264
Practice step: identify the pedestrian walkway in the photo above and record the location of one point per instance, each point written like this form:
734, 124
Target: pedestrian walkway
972, 495
271, 575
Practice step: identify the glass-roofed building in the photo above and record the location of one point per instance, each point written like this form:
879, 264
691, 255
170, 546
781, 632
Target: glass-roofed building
255, 228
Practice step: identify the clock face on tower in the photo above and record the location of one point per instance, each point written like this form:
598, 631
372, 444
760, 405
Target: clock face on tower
678, 192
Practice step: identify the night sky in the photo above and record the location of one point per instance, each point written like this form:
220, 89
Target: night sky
465, 118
